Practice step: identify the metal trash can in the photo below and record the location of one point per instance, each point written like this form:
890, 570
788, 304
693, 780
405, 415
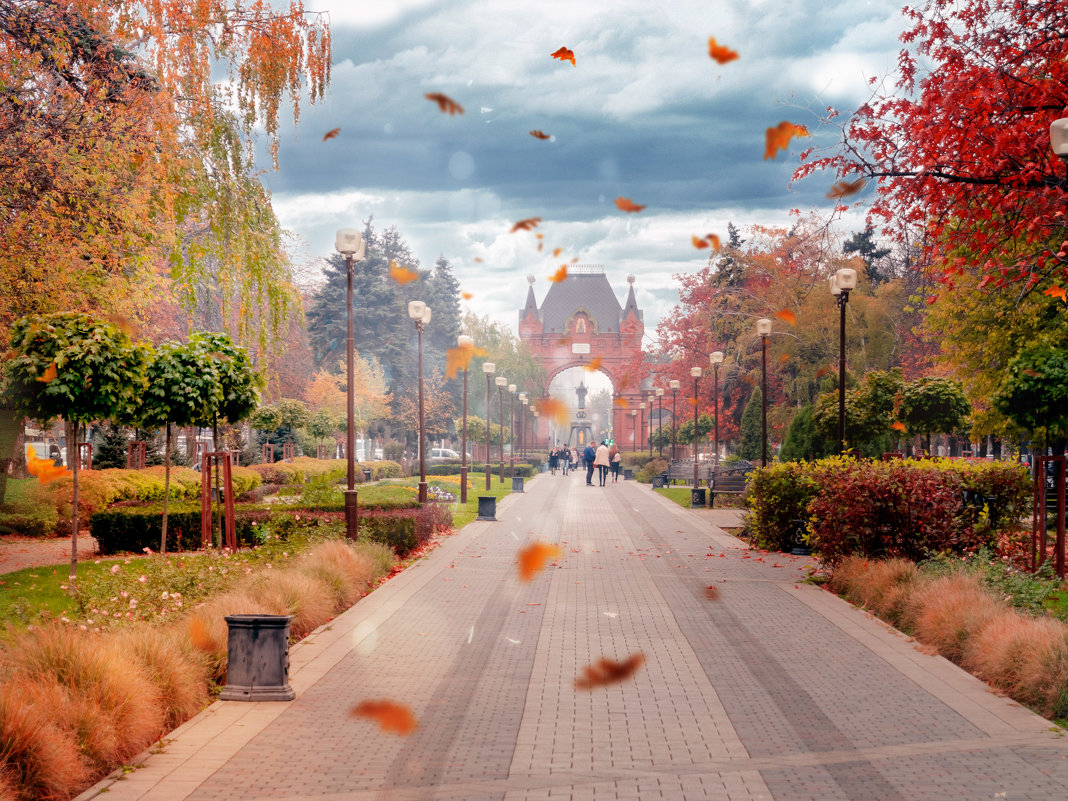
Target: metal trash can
366, 474
797, 539
697, 497
487, 507
628, 474
659, 482
257, 659
517, 484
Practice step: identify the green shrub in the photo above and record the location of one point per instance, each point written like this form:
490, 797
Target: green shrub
38, 521
384, 468
651, 469
1002, 495
776, 497
636, 460
279, 473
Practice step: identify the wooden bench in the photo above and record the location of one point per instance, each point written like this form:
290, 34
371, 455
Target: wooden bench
683, 471
729, 481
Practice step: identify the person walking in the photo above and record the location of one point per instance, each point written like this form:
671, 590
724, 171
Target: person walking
601, 460
564, 457
574, 457
589, 455
615, 458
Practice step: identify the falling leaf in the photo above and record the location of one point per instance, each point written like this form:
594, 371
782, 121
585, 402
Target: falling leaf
445, 103
843, 189
712, 592
553, 408
621, 402
720, 53
45, 470
478, 259
698, 242
540, 134
693, 403
626, 204
528, 224
1053, 292
50, 374
897, 425
787, 316
575, 260
1031, 372
559, 275
562, 342
822, 372
123, 323
402, 275
608, 671
331, 134
457, 359
390, 716
563, 54
594, 365
466, 295
535, 557
778, 138
557, 252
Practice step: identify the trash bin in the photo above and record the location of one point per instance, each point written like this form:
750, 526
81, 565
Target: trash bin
366, 474
659, 482
517, 484
628, 474
487, 507
800, 530
697, 497
257, 660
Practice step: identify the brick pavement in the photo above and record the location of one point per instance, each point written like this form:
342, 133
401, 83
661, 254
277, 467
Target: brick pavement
775, 690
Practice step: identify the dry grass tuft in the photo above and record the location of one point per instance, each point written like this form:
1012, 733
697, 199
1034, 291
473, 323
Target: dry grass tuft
37, 758
179, 672
345, 570
948, 611
304, 595
206, 625
99, 691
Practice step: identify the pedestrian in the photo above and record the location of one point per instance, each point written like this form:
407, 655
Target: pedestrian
574, 457
589, 455
615, 458
601, 460
564, 457
552, 461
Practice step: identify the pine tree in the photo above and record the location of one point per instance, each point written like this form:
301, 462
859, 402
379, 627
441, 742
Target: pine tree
111, 448
749, 447
864, 246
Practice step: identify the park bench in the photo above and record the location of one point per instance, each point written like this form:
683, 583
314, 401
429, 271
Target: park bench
729, 481
683, 471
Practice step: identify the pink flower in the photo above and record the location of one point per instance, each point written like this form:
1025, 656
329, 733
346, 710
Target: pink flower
142, 579
115, 568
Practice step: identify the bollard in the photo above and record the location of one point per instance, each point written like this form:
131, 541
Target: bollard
697, 497
257, 659
487, 507
517, 484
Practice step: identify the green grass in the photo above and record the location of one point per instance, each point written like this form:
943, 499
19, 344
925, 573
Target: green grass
36, 594
680, 495
1057, 604
462, 514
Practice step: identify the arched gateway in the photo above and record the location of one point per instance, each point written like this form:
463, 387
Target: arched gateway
581, 320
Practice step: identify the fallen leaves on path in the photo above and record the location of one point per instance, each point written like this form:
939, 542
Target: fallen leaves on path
534, 558
608, 671
390, 716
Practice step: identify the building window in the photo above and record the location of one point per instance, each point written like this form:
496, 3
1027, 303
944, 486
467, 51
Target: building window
580, 325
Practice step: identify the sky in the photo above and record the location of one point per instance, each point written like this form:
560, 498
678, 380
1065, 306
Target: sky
644, 114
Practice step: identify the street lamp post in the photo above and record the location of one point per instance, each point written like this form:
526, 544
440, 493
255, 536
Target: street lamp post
660, 418
696, 373
674, 384
466, 343
649, 430
764, 330
511, 433
716, 358
350, 244
488, 368
501, 383
634, 429
523, 400
638, 445
841, 283
420, 314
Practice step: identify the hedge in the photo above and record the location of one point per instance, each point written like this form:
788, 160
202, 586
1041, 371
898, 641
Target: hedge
897, 508
523, 469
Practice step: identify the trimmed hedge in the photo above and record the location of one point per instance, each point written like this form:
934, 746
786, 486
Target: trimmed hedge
898, 508
523, 469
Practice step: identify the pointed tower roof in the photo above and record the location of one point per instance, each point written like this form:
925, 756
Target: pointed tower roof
631, 306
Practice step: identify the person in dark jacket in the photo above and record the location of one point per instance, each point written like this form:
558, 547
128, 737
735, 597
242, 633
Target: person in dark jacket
589, 455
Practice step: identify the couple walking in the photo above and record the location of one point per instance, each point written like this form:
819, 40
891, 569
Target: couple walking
602, 457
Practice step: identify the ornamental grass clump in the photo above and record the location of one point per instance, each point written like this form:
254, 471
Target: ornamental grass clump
178, 671
346, 571
882, 587
946, 612
309, 599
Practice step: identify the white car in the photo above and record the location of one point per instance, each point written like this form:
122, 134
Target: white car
442, 454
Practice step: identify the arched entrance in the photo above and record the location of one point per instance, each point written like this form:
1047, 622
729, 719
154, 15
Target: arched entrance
581, 328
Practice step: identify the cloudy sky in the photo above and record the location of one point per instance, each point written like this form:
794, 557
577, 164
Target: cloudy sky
644, 114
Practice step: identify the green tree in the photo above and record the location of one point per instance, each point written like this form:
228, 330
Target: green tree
750, 446
1034, 392
111, 448
804, 439
863, 244
78, 368
280, 421
184, 389
321, 425
869, 413
933, 405
239, 380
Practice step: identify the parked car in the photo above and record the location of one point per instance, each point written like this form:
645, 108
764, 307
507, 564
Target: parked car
442, 454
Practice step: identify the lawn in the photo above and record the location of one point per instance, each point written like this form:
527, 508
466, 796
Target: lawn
680, 495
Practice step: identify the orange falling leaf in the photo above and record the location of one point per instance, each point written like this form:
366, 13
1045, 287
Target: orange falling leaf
45, 470
562, 342
122, 322
390, 716
897, 425
540, 134
445, 103
708, 240
559, 275
331, 133
621, 402
402, 275
720, 53
842, 189
784, 358
698, 242
1053, 292
49, 375
553, 409
457, 359
608, 671
787, 316
528, 224
594, 365
693, 403
478, 259
713, 240
778, 138
563, 54
534, 558
712, 592
466, 295
575, 260
626, 204
1031, 372
822, 372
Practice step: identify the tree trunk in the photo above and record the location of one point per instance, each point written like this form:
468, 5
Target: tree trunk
166, 489
72, 447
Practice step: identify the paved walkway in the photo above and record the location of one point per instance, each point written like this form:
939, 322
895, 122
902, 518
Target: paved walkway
775, 690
